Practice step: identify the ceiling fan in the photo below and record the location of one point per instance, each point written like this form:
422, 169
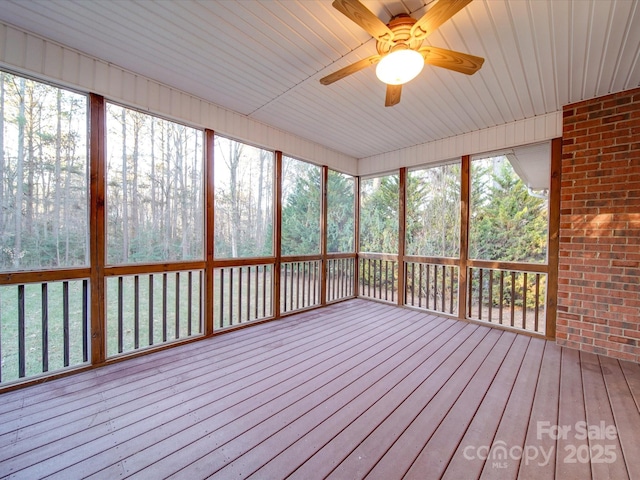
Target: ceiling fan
401, 55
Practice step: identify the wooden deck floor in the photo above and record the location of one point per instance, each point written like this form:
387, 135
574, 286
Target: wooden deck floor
357, 389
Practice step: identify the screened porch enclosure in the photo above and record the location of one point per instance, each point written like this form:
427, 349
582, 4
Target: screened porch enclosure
137, 233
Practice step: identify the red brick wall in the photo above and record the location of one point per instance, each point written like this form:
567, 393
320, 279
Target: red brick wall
599, 267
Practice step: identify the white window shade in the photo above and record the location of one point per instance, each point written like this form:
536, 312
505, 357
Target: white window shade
532, 163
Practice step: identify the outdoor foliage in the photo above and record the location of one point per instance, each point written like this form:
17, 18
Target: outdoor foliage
43, 176
508, 223
433, 211
301, 204
243, 177
340, 212
154, 189
379, 214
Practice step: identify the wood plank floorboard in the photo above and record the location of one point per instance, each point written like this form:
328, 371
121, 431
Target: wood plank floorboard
540, 459
437, 452
598, 409
400, 456
622, 405
325, 460
144, 418
630, 371
265, 417
137, 394
353, 398
357, 389
572, 410
322, 444
469, 458
371, 449
138, 369
515, 418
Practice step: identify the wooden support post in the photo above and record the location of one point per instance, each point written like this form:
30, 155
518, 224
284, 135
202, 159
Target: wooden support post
465, 201
356, 238
209, 231
277, 235
402, 221
323, 235
554, 237
97, 180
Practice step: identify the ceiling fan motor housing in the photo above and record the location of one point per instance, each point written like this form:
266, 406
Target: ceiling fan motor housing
400, 25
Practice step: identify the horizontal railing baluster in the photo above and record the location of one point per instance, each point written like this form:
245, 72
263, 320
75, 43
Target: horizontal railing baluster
50, 327
501, 294
514, 291
151, 332
177, 305
264, 291
45, 327
239, 294
120, 316
537, 303
513, 298
248, 294
65, 323
431, 290
189, 302
85, 320
525, 286
164, 307
21, 333
256, 297
136, 312
172, 308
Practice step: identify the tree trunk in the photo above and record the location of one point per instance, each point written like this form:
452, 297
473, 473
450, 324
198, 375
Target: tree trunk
69, 164
135, 214
29, 164
42, 198
181, 175
70, 168
167, 192
235, 151
154, 209
198, 200
2, 173
17, 246
125, 191
259, 215
56, 200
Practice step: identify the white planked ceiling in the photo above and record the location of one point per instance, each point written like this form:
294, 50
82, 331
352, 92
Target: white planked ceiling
264, 58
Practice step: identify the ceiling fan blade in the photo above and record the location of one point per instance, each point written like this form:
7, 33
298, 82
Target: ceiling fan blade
361, 15
393, 95
449, 59
349, 69
436, 16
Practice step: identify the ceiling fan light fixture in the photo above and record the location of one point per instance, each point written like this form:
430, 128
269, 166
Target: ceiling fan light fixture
399, 67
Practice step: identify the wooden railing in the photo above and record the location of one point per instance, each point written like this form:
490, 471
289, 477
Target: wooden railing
340, 278
299, 284
432, 286
513, 298
242, 294
378, 276
45, 324
151, 309
44, 327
